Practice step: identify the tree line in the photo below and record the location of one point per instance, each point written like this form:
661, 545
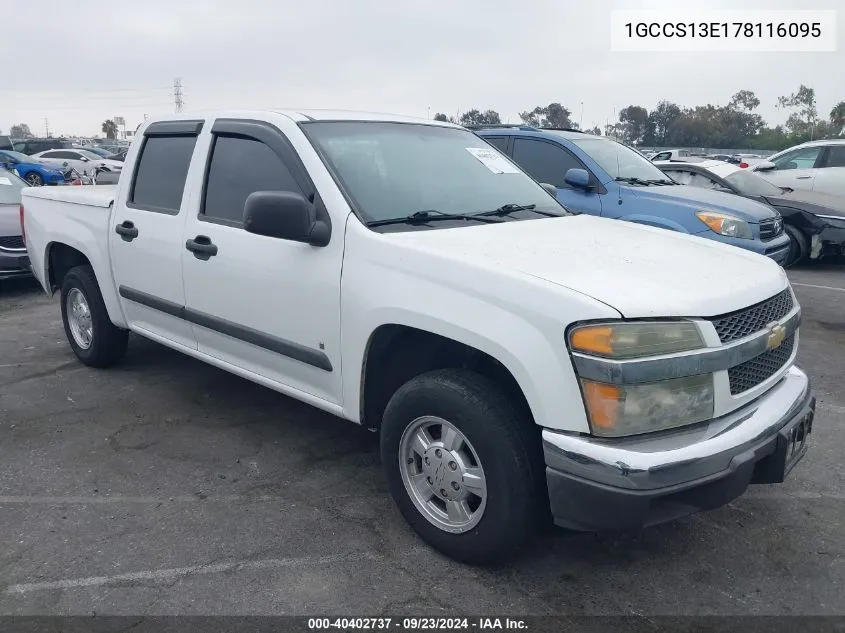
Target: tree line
21, 130
731, 126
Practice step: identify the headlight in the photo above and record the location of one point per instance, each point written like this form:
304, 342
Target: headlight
725, 224
635, 338
617, 410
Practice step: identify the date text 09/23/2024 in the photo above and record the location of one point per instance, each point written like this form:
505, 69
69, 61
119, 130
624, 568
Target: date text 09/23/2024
416, 624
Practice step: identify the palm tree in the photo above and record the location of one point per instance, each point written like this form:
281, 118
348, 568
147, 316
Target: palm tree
110, 128
837, 116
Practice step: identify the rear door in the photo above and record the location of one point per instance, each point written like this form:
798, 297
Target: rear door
269, 306
548, 162
146, 231
830, 177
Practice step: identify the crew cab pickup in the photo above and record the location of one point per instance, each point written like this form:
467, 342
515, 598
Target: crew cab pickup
517, 361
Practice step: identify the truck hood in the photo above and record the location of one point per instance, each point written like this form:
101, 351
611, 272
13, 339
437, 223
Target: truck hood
696, 198
641, 271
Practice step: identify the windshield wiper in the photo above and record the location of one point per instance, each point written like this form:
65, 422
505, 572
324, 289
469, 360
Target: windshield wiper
422, 217
507, 209
663, 181
634, 181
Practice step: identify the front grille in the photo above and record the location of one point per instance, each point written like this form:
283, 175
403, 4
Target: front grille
735, 325
752, 372
12, 242
770, 229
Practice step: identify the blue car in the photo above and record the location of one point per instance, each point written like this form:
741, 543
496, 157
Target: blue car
598, 176
30, 169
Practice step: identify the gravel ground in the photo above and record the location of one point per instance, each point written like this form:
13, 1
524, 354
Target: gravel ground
165, 486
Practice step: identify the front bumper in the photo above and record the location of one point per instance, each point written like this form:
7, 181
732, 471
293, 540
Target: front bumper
13, 264
598, 484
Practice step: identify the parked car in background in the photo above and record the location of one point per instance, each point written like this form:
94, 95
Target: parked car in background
676, 154
6, 143
815, 222
99, 151
13, 258
516, 361
814, 166
598, 176
30, 146
727, 158
120, 156
30, 169
82, 160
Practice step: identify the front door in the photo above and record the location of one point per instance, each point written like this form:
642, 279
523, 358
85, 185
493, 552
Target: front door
548, 162
266, 305
146, 233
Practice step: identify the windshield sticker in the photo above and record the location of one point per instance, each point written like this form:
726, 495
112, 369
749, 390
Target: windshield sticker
493, 160
5, 181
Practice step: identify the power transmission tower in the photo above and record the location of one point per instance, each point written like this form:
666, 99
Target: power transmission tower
177, 94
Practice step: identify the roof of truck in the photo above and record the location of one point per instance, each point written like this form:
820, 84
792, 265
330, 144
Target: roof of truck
304, 115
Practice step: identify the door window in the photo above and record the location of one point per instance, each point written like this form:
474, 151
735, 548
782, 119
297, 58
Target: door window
161, 172
799, 159
60, 154
835, 156
241, 166
499, 142
545, 162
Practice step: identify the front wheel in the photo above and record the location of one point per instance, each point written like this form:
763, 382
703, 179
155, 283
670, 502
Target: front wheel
34, 179
798, 248
94, 339
464, 465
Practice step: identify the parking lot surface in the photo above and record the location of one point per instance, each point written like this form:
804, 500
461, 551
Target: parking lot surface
166, 486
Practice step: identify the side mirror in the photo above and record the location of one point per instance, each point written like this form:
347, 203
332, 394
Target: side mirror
577, 178
84, 159
550, 189
763, 165
284, 215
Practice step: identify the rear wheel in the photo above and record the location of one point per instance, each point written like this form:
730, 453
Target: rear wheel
798, 248
34, 179
94, 339
464, 465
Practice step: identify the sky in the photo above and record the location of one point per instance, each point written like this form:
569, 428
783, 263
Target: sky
78, 63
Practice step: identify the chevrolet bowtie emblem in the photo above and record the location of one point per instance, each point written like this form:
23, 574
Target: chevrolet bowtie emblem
776, 335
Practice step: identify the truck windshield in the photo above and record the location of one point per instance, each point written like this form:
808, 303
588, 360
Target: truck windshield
618, 160
394, 170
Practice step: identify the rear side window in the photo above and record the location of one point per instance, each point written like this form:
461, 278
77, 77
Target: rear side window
239, 167
546, 162
835, 156
61, 154
161, 173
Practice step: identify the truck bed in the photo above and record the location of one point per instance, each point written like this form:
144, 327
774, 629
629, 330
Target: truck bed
75, 216
95, 196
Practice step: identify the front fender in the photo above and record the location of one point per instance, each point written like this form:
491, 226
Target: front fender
521, 324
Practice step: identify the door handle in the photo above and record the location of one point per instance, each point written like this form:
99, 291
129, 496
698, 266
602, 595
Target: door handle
201, 247
126, 230
802, 177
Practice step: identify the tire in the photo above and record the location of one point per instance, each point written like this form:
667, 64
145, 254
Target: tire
107, 342
34, 179
503, 441
798, 248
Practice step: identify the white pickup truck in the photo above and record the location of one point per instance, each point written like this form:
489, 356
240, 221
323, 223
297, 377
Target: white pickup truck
517, 360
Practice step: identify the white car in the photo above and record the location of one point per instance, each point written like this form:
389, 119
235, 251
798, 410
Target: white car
516, 360
82, 160
814, 166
